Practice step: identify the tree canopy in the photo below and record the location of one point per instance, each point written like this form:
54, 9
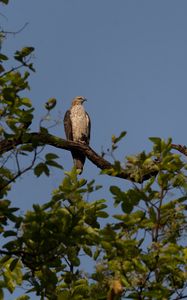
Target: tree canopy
139, 253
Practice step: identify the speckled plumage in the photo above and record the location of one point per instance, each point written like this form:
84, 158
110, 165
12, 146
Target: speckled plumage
77, 128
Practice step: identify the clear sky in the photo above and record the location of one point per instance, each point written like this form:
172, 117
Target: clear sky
127, 57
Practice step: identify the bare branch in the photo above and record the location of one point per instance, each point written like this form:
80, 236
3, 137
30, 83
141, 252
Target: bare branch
12, 70
20, 172
15, 32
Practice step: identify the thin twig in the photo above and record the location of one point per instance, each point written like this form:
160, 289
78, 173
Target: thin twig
16, 32
12, 70
17, 162
20, 172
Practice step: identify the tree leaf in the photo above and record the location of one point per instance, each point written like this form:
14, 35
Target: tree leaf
155, 140
54, 164
117, 139
27, 102
24, 297
51, 156
13, 264
87, 250
9, 233
102, 214
3, 57
41, 168
50, 104
4, 1
115, 190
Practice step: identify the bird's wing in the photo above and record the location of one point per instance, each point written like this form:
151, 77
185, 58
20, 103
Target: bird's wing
89, 127
68, 125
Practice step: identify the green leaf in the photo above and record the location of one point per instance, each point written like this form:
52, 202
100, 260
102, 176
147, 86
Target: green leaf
9, 95
54, 164
102, 214
5, 259
28, 148
27, 102
9, 233
4, 1
155, 140
127, 207
75, 261
50, 104
1, 68
26, 51
106, 245
24, 297
3, 57
10, 245
115, 190
22, 54
152, 214
117, 139
51, 156
41, 168
96, 254
13, 264
87, 250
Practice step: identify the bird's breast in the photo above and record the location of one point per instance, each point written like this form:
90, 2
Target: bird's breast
79, 123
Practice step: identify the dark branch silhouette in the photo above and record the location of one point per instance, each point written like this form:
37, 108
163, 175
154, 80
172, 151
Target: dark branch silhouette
40, 139
14, 32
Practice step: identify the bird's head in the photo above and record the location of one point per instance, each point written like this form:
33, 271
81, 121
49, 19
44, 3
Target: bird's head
79, 100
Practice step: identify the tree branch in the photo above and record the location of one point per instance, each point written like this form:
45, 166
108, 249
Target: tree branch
180, 148
14, 32
20, 172
39, 139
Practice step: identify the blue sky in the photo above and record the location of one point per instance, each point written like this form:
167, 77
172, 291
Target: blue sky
128, 57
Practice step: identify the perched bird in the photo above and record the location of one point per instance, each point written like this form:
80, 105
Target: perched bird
77, 128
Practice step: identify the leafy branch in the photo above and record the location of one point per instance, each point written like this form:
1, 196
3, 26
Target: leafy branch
181, 148
44, 138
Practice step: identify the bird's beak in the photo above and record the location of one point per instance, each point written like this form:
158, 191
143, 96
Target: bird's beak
85, 100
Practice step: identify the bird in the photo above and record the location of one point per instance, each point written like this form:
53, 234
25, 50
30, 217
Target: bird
77, 126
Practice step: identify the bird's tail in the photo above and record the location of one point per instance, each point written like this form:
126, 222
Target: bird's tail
79, 160
79, 165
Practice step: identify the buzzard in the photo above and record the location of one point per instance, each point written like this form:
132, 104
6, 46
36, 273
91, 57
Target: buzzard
77, 128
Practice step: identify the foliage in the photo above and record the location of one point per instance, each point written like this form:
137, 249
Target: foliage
138, 252
4, 1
